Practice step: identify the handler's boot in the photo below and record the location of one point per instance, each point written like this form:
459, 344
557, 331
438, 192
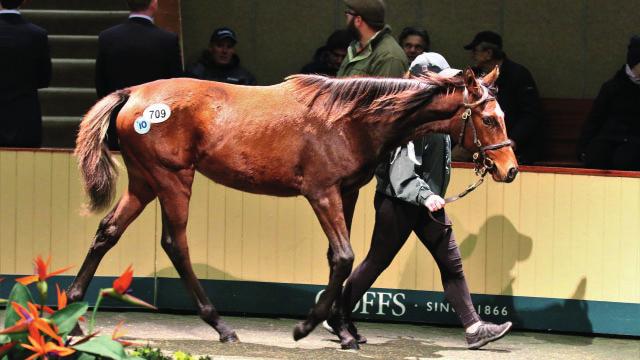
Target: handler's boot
486, 333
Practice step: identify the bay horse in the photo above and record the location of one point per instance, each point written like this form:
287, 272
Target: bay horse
310, 135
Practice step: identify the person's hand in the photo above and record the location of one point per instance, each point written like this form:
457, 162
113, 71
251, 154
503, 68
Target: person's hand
434, 203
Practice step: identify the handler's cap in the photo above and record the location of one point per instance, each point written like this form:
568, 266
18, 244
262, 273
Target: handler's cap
633, 51
428, 61
223, 33
372, 11
485, 37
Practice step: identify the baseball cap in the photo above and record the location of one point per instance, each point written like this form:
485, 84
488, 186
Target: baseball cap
223, 33
486, 37
372, 11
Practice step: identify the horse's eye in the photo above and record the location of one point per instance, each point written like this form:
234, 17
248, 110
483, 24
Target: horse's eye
489, 121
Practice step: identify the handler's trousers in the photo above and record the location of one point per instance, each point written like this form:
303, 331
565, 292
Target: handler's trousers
395, 219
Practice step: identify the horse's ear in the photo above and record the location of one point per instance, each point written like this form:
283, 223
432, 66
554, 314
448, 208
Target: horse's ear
491, 77
471, 83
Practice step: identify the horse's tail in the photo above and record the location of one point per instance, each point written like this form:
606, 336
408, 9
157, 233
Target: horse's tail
98, 168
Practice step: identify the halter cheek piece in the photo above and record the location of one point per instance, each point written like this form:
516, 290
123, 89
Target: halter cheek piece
482, 162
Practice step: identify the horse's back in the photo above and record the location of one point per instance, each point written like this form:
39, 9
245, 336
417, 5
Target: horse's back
240, 136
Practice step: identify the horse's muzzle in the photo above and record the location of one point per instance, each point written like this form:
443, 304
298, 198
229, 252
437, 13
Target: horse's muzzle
511, 175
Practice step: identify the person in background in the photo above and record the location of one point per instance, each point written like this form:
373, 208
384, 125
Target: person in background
133, 53
517, 95
220, 62
414, 41
25, 67
611, 135
374, 52
327, 59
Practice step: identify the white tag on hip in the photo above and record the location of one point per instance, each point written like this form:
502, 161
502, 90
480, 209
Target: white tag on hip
157, 113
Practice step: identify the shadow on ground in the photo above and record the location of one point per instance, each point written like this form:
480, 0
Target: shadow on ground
403, 348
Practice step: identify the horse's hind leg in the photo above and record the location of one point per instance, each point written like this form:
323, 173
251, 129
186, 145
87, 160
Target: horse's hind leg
328, 208
111, 227
174, 199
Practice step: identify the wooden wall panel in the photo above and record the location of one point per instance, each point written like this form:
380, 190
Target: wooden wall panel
8, 191
544, 235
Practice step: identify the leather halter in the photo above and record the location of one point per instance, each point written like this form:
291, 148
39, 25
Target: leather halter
483, 164
481, 160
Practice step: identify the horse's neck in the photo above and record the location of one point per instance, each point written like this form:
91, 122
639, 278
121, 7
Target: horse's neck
437, 117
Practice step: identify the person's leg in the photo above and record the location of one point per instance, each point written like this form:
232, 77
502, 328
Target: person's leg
441, 244
626, 157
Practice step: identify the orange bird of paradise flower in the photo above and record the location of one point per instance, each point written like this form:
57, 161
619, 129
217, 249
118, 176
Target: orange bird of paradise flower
29, 318
41, 272
120, 290
118, 335
44, 349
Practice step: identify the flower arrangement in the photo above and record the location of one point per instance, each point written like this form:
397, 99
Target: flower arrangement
35, 331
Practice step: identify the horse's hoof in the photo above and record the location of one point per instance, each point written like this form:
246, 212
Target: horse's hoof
360, 339
299, 331
350, 345
229, 338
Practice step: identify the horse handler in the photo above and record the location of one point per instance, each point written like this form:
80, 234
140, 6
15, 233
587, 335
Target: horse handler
412, 182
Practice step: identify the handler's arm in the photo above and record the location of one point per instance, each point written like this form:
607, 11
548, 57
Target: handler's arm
406, 184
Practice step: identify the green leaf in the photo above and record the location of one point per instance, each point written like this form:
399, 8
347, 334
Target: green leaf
21, 295
4, 339
85, 356
67, 318
103, 346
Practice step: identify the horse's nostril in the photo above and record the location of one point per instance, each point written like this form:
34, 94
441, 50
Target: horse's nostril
511, 174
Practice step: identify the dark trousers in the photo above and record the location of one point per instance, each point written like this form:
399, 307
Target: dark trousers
395, 219
613, 155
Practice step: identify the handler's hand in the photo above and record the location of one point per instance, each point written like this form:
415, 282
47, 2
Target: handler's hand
434, 203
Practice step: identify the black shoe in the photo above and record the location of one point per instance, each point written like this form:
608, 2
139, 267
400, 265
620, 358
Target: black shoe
352, 329
486, 333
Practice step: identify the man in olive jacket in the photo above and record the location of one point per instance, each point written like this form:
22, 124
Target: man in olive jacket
374, 52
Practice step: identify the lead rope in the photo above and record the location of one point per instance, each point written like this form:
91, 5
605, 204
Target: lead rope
464, 193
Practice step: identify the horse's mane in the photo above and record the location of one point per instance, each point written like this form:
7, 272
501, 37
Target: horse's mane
336, 98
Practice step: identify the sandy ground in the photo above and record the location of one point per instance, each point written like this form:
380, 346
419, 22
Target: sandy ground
271, 339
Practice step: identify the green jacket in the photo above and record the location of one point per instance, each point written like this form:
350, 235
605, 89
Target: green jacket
399, 176
382, 56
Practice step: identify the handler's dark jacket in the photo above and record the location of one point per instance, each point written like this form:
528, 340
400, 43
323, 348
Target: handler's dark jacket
206, 69
25, 66
382, 56
519, 99
615, 114
399, 176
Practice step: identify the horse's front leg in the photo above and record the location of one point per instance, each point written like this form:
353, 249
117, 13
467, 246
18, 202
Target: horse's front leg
327, 205
340, 319
174, 201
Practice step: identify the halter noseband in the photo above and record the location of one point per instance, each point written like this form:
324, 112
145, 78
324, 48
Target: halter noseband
482, 162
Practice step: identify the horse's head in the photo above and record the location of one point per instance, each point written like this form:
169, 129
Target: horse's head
482, 128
